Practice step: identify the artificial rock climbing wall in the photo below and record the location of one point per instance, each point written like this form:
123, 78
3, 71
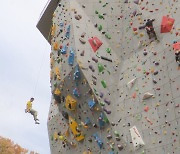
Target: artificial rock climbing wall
114, 90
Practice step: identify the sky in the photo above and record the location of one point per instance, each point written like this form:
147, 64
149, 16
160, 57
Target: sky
24, 73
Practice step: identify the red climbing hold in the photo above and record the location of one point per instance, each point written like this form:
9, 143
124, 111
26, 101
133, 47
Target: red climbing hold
146, 109
176, 46
166, 24
95, 43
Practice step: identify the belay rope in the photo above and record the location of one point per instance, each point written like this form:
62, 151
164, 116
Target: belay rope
36, 83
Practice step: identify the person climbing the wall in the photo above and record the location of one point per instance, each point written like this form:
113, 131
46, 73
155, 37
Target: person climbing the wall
149, 28
177, 57
32, 111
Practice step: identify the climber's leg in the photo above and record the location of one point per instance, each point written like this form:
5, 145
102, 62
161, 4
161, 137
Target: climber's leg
34, 113
148, 32
154, 33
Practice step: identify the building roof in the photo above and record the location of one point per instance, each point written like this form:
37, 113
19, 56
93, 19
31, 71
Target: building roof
45, 21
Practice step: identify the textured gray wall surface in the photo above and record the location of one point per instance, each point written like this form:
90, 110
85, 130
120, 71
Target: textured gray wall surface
131, 79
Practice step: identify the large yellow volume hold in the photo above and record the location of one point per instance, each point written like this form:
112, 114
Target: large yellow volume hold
70, 103
74, 128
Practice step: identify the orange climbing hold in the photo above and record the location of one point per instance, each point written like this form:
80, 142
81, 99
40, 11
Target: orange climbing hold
166, 24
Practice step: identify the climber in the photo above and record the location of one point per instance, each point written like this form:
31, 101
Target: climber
32, 111
149, 28
177, 57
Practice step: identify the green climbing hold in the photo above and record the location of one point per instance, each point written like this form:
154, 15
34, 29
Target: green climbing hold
100, 27
102, 103
103, 83
106, 119
108, 50
96, 12
101, 16
108, 36
95, 91
116, 133
108, 72
58, 61
136, 89
112, 147
100, 68
55, 84
138, 117
104, 5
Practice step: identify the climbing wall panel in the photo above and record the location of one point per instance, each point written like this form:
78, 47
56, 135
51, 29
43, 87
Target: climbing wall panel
114, 89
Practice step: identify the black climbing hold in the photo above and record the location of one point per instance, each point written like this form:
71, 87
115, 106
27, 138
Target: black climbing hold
65, 115
105, 58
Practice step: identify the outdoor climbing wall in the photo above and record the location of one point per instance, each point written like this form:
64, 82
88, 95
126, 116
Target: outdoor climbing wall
114, 89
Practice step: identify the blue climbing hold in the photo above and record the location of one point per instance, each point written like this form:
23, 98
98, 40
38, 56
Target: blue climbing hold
68, 32
71, 58
87, 121
76, 92
61, 24
98, 140
64, 49
77, 74
101, 121
91, 104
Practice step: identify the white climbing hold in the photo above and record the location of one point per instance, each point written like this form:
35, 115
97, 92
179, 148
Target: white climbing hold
131, 83
147, 95
136, 138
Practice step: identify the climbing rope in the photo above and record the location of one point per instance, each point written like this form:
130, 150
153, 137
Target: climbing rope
41, 64
39, 71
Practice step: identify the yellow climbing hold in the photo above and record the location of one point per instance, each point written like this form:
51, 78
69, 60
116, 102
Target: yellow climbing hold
87, 152
67, 132
141, 34
135, 33
74, 128
55, 136
55, 46
53, 29
61, 138
57, 73
70, 103
57, 92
